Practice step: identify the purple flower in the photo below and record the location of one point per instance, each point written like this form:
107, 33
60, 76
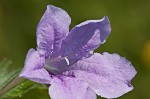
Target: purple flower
66, 59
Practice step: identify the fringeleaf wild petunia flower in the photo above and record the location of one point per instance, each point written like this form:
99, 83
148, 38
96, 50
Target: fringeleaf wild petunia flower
66, 61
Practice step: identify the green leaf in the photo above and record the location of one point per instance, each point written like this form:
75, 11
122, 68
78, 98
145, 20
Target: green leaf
36, 93
11, 85
19, 89
5, 75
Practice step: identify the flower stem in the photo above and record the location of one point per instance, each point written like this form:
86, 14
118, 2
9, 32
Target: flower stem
12, 84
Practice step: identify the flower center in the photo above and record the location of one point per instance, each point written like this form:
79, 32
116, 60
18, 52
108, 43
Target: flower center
56, 65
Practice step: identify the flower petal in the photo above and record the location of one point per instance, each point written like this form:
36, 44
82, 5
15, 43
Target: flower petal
33, 68
86, 37
52, 29
109, 75
90, 94
70, 88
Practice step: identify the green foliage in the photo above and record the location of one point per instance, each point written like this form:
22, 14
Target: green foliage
5, 75
19, 89
11, 85
36, 93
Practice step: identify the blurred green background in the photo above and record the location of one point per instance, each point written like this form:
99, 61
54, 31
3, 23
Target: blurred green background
130, 36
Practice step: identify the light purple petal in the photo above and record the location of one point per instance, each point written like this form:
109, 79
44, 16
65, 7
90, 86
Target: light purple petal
109, 75
52, 29
70, 88
33, 68
90, 94
86, 37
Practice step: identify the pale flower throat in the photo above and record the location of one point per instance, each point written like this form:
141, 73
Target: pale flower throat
56, 65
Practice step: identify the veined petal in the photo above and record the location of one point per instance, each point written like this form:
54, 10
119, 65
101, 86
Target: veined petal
86, 37
51, 30
70, 88
90, 94
34, 69
109, 75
